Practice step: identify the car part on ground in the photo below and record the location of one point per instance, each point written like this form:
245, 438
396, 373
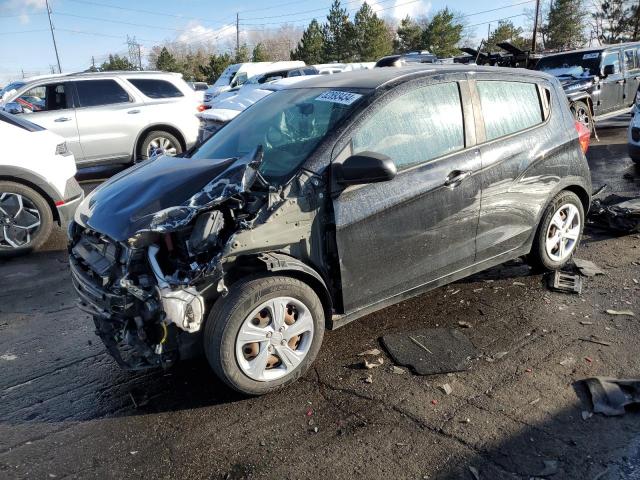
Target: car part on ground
431, 351
565, 282
293, 198
610, 396
616, 212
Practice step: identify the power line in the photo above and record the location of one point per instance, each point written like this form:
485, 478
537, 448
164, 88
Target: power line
323, 9
24, 31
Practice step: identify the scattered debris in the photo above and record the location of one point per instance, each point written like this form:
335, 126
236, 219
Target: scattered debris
616, 212
519, 284
628, 313
446, 389
465, 420
434, 402
398, 371
534, 401
464, 324
309, 412
594, 339
611, 395
315, 429
8, 357
368, 379
141, 401
587, 268
565, 282
373, 352
474, 472
431, 351
496, 356
134, 452
369, 365
588, 359
568, 362
455, 292
583, 322
528, 370
586, 415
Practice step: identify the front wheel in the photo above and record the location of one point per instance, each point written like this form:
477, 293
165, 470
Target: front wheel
582, 114
559, 232
264, 334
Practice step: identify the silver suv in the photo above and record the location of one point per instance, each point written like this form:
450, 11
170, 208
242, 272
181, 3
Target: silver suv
111, 117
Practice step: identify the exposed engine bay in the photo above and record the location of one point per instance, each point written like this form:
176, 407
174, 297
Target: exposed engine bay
149, 294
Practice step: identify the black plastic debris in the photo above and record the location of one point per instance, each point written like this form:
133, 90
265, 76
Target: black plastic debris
616, 212
431, 351
611, 395
565, 282
587, 268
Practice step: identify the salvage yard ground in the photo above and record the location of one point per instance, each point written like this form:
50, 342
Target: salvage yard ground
68, 411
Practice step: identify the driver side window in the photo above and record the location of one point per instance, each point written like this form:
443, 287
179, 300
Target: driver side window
44, 98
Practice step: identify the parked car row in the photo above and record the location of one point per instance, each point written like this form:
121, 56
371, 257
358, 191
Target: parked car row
252, 243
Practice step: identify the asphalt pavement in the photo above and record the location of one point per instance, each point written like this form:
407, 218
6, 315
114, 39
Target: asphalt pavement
68, 411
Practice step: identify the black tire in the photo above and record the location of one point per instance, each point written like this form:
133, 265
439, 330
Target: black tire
228, 315
144, 146
539, 258
38, 236
582, 113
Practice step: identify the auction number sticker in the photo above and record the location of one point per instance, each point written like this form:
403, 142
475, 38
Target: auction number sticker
587, 56
335, 96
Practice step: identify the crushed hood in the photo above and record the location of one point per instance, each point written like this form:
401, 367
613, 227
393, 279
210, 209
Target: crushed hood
127, 203
572, 84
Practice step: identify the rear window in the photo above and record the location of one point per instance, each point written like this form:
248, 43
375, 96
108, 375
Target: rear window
154, 88
509, 107
94, 93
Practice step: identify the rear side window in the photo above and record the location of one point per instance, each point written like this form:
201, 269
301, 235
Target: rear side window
94, 93
415, 127
154, 88
509, 107
630, 60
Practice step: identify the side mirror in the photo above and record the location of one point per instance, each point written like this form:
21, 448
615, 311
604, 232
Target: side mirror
365, 167
14, 108
609, 70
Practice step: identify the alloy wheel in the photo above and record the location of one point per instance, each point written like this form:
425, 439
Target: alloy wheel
19, 220
563, 233
274, 339
163, 144
583, 116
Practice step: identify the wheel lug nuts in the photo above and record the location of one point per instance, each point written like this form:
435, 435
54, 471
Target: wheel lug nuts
269, 334
281, 329
283, 343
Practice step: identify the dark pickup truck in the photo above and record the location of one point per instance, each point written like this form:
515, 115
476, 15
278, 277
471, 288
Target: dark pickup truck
600, 82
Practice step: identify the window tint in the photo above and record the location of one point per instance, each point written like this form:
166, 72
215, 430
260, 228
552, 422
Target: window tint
295, 73
153, 88
310, 71
612, 59
93, 93
44, 98
508, 107
415, 127
630, 60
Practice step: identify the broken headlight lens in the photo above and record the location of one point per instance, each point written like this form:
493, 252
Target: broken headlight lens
171, 219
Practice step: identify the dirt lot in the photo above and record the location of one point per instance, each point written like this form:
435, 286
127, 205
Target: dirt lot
66, 410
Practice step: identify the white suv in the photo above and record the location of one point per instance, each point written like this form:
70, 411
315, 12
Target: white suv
37, 185
112, 117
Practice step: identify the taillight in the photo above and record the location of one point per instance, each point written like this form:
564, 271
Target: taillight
202, 108
584, 136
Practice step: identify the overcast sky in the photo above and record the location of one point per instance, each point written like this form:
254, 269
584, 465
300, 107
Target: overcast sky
86, 28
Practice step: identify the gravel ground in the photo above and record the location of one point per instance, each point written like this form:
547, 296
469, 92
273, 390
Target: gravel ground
66, 410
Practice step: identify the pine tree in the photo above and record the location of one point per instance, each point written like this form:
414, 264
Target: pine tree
242, 54
372, 36
215, 67
116, 62
260, 53
409, 36
442, 34
339, 35
616, 21
310, 48
506, 32
565, 25
166, 62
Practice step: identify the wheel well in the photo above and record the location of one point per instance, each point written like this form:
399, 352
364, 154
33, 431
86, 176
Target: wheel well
160, 128
582, 195
43, 194
252, 266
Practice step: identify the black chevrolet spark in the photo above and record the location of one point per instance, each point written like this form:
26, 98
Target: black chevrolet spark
322, 203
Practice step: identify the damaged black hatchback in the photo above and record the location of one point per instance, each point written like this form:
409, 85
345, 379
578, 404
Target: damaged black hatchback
322, 203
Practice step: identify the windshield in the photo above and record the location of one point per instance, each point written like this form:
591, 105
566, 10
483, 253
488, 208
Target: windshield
576, 64
226, 76
289, 124
11, 86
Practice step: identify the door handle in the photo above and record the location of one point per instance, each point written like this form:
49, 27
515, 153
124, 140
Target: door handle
132, 112
620, 82
63, 119
456, 177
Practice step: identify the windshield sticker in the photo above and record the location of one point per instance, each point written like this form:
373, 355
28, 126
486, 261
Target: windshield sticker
587, 56
334, 96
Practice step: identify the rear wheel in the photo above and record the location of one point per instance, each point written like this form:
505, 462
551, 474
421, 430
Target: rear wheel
559, 232
582, 114
264, 334
26, 219
159, 141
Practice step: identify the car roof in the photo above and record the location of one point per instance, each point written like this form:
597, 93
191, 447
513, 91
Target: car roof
598, 48
118, 73
378, 77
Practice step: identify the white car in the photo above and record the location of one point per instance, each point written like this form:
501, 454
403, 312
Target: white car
37, 185
634, 137
111, 117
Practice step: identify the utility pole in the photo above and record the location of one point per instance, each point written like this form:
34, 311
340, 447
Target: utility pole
93, 63
139, 57
55, 47
535, 28
237, 34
